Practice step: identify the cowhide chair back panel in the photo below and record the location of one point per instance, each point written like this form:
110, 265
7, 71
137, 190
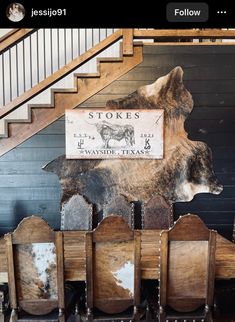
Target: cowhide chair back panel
35, 269
157, 214
76, 214
120, 207
187, 270
113, 268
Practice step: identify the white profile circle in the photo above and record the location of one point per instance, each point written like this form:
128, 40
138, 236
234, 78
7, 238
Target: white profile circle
15, 12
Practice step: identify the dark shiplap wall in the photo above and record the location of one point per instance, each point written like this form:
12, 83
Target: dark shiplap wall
209, 74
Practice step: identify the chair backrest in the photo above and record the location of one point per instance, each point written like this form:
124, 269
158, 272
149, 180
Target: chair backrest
113, 266
187, 265
157, 213
120, 206
76, 214
35, 267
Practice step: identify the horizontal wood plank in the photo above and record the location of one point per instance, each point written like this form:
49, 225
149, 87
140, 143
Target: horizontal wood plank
224, 152
200, 100
225, 258
190, 49
194, 86
150, 274
50, 209
204, 205
187, 60
32, 180
224, 125
184, 33
20, 168
40, 141
58, 127
151, 73
19, 195
74, 255
32, 154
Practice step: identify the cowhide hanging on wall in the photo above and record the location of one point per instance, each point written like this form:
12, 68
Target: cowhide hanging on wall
185, 170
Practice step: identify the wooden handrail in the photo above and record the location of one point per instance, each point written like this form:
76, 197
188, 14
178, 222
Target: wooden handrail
13, 37
183, 33
50, 80
8, 34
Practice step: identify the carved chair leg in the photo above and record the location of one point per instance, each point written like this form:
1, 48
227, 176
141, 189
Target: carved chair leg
136, 314
161, 315
148, 314
209, 317
3, 317
89, 316
61, 316
14, 315
77, 313
216, 309
208, 314
77, 318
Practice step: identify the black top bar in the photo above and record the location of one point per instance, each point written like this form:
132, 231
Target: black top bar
120, 14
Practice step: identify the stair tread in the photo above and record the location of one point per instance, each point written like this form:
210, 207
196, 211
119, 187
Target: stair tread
109, 59
87, 75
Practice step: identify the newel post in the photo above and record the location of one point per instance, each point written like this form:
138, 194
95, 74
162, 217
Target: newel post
128, 41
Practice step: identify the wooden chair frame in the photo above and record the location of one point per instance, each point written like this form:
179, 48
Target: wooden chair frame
35, 230
187, 228
112, 229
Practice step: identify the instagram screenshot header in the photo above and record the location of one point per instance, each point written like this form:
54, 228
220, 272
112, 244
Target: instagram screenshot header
164, 14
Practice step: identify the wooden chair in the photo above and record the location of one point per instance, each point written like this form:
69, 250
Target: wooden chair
35, 271
120, 206
187, 271
113, 271
157, 213
76, 214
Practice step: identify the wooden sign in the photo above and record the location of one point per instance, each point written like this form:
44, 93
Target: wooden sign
110, 134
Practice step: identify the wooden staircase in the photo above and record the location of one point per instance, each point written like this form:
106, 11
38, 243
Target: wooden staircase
38, 116
23, 116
